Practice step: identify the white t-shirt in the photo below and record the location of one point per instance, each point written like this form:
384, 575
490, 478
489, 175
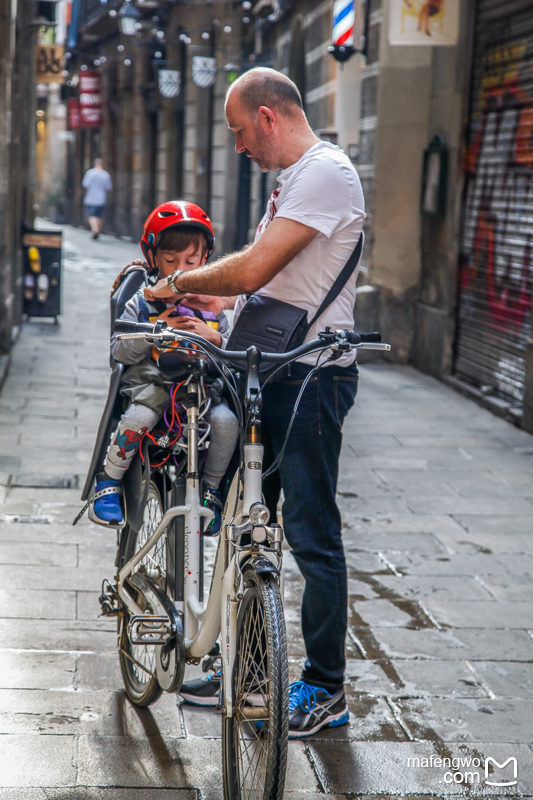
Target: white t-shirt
321, 190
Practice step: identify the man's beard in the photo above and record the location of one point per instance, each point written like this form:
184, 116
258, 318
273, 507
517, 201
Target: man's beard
262, 156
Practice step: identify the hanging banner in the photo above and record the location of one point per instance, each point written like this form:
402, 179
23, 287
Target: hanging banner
169, 82
49, 63
74, 113
433, 22
90, 87
204, 71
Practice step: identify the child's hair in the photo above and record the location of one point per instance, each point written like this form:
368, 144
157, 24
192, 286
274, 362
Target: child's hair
181, 237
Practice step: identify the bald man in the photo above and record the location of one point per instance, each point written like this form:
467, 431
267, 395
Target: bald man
311, 226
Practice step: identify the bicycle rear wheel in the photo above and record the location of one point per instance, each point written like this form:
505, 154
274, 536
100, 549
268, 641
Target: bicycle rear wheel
255, 739
137, 662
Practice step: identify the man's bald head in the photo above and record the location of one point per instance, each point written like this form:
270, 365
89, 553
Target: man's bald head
267, 87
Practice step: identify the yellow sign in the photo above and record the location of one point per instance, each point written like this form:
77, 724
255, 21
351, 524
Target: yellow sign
49, 63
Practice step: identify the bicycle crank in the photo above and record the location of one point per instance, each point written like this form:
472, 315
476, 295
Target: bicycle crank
162, 627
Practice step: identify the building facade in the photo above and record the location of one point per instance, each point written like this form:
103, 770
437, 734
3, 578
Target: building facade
18, 34
452, 291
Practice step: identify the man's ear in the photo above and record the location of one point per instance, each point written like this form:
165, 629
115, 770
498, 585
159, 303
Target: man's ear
268, 117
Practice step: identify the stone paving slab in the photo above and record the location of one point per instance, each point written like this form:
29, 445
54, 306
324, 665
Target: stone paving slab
29, 760
478, 644
381, 768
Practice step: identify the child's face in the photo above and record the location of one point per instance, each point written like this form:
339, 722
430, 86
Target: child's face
168, 261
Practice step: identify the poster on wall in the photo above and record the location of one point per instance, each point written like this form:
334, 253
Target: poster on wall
429, 22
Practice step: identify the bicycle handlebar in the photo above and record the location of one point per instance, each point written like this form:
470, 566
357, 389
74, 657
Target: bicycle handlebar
162, 332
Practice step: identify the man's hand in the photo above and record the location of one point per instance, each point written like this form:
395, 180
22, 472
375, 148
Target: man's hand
138, 262
206, 302
160, 291
192, 324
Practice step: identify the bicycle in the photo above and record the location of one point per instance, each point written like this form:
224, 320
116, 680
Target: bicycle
157, 596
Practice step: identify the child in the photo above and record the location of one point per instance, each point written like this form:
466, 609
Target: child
176, 235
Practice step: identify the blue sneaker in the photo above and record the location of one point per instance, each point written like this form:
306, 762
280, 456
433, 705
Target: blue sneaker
312, 708
106, 508
213, 500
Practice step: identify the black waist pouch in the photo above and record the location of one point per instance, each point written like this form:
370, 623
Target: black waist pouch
277, 327
271, 325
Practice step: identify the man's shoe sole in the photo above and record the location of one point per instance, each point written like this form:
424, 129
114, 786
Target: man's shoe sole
335, 721
194, 700
256, 700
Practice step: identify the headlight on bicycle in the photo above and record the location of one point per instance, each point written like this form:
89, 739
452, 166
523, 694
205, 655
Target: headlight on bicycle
259, 514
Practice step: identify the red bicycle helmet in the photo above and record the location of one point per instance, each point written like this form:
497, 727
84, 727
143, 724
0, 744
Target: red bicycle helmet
170, 215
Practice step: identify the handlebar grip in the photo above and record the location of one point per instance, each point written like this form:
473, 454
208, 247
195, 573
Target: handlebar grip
124, 326
371, 337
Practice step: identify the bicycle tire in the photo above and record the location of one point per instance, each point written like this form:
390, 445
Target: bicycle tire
142, 688
254, 755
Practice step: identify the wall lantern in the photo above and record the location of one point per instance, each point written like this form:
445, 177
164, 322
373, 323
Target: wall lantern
232, 72
128, 17
434, 178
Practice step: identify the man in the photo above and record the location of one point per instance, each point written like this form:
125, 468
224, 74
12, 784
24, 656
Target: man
312, 224
98, 183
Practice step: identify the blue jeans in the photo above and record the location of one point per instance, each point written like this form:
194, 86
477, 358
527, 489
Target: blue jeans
311, 518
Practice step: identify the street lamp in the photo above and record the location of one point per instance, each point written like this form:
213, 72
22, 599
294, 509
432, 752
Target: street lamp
128, 17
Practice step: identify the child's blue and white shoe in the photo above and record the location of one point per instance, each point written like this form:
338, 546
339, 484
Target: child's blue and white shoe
312, 708
105, 507
213, 500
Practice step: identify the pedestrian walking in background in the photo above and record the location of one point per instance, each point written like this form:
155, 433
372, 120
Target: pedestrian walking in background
97, 181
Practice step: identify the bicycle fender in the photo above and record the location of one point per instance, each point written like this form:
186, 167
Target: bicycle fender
261, 565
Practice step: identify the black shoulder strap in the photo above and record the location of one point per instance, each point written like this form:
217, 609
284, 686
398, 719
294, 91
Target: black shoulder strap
341, 280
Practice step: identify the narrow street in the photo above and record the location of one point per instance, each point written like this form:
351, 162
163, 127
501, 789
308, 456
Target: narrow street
437, 502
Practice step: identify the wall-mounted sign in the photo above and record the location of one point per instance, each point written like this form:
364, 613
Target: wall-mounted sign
204, 71
49, 63
414, 22
169, 82
90, 88
74, 113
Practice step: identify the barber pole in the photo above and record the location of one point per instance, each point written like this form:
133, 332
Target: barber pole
347, 25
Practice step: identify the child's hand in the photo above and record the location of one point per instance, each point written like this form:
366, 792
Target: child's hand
192, 324
118, 280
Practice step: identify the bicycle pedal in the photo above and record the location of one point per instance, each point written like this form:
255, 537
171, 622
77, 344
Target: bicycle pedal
149, 629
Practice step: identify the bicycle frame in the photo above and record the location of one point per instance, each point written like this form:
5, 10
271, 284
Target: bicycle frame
220, 613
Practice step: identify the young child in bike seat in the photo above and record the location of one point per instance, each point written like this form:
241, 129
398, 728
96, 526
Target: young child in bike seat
176, 235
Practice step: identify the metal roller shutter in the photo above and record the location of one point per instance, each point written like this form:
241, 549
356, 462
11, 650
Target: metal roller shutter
496, 248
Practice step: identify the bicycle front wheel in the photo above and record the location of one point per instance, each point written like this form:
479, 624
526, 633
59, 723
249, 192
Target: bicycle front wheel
137, 662
255, 739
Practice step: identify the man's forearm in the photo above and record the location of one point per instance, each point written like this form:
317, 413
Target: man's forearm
226, 277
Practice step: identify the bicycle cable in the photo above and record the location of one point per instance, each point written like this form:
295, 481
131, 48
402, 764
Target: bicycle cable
279, 458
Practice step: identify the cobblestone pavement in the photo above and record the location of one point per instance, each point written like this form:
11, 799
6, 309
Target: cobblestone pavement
437, 501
